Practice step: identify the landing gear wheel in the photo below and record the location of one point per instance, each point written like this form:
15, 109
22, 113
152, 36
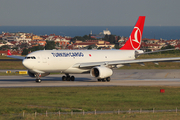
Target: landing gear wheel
68, 78
38, 80
72, 78
104, 80
108, 79
38, 76
63, 78
99, 80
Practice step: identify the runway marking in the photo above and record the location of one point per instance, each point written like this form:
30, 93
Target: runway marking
166, 75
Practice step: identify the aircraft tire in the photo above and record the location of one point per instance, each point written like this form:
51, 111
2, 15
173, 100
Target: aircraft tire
72, 78
99, 80
108, 79
68, 78
38, 80
104, 80
63, 78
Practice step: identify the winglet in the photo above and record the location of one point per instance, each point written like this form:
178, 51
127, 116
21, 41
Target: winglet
134, 41
9, 52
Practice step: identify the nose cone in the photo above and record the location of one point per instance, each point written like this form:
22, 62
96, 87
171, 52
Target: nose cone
27, 64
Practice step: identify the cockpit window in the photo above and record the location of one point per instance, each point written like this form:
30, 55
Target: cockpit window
30, 57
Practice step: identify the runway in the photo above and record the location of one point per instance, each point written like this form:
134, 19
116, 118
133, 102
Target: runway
119, 78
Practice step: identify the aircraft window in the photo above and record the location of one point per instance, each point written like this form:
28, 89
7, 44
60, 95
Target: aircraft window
27, 57
32, 57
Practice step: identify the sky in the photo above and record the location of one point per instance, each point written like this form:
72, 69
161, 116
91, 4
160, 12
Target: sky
88, 12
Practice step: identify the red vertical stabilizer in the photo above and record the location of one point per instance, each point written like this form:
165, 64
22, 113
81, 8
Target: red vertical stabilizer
9, 52
134, 41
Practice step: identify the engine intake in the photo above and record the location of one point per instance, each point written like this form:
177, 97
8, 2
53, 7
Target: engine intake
101, 72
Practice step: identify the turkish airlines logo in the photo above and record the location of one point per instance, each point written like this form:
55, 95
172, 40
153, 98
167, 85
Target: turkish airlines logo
135, 38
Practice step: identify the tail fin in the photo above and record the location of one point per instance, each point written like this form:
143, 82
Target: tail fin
134, 41
9, 52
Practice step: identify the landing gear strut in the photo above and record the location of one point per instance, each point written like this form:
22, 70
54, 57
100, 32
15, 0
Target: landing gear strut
38, 80
68, 78
104, 79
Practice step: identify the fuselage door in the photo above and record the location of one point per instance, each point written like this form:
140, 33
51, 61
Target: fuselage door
39, 59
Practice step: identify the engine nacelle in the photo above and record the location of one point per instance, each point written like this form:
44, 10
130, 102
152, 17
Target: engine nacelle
101, 72
34, 74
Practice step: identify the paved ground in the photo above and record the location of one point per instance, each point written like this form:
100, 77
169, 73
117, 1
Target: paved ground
119, 78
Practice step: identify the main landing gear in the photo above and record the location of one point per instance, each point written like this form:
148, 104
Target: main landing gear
104, 79
38, 80
68, 78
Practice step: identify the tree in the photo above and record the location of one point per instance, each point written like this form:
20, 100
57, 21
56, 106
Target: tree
112, 39
117, 46
25, 52
4, 47
170, 51
89, 47
106, 38
119, 37
86, 37
78, 38
167, 47
35, 48
50, 45
57, 44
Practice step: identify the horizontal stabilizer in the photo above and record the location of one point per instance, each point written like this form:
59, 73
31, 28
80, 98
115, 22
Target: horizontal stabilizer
153, 52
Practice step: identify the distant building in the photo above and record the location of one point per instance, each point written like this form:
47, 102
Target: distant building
35, 37
106, 32
101, 34
18, 37
96, 43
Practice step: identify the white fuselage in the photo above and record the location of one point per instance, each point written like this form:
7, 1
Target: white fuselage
44, 61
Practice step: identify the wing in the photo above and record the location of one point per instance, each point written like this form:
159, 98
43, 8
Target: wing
124, 62
16, 57
142, 53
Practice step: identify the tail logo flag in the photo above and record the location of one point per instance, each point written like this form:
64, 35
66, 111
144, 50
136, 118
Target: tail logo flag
9, 52
135, 38
134, 41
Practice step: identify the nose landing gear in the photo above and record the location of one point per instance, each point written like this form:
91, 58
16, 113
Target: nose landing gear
38, 75
38, 80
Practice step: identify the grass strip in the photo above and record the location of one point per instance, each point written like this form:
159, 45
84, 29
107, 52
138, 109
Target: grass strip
53, 99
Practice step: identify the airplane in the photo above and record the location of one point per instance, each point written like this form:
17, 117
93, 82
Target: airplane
99, 63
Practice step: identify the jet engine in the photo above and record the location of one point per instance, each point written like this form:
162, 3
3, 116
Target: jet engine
35, 74
101, 72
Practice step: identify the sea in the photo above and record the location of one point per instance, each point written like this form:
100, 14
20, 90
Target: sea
151, 32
